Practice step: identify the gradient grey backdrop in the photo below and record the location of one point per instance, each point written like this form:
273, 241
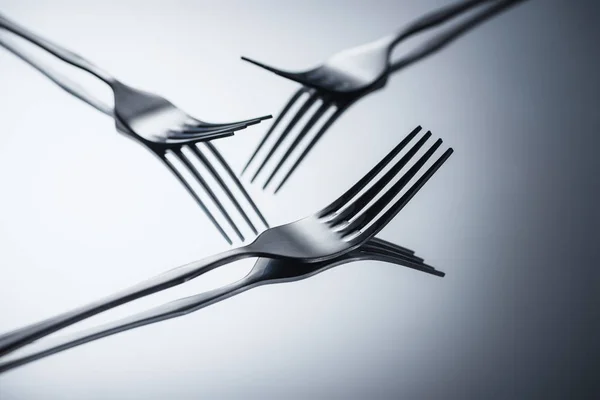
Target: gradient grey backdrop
512, 217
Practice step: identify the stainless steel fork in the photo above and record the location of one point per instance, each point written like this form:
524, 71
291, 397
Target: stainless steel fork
330, 89
266, 271
344, 225
176, 138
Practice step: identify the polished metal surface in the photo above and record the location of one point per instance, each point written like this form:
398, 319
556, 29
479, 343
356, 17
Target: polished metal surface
159, 125
266, 271
344, 225
331, 88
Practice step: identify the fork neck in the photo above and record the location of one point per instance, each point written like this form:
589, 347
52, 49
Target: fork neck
56, 50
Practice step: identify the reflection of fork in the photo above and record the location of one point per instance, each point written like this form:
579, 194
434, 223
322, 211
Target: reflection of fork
343, 226
171, 134
328, 90
266, 271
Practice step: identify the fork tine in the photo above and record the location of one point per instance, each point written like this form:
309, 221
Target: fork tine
391, 251
289, 75
208, 190
379, 255
387, 195
235, 126
204, 129
316, 116
183, 138
312, 143
350, 210
305, 107
283, 112
236, 180
212, 129
251, 121
195, 196
380, 222
370, 249
223, 186
394, 247
364, 181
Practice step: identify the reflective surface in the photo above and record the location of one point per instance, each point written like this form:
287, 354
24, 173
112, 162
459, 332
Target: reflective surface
512, 223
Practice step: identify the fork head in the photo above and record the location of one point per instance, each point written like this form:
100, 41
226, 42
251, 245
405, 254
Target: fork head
271, 270
159, 124
167, 131
360, 213
356, 70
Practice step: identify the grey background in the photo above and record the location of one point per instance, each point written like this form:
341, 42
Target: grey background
512, 217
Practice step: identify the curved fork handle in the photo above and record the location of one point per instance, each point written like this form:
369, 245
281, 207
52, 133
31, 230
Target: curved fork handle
445, 38
265, 271
65, 83
56, 50
23, 336
433, 19
173, 309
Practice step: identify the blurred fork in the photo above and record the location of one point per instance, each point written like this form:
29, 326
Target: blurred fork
330, 89
346, 224
154, 122
266, 271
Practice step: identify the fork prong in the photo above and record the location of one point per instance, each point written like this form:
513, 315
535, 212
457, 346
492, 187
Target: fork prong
252, 121
183, 138
208, 190
212, 129
380, 222
303, 110
392, 251
364, 181
351, 209
386, 195
289, 75
382, 255
195, 196
237, 182
388, 248
283, 112
207, 129
312, 143
234, 126
404, 260
202, 158
394, 247
316, 116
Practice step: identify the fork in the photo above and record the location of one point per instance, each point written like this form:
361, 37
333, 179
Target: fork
344, 225
266, 271
330, 89
168, 132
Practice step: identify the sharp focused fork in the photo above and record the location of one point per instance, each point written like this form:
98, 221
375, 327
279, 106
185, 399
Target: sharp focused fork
266, 271
343, 226
330, 89
172, 135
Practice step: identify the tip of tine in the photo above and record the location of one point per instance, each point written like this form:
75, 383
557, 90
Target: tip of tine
250, 60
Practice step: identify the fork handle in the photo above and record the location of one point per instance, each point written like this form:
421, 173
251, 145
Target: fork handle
62, 81
446, 37
56, 50
433, 19
23, 336
159, 313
